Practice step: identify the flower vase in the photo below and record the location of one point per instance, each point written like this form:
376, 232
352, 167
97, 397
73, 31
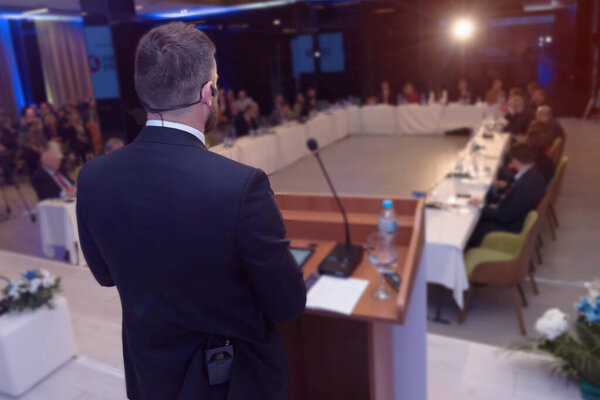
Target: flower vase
589, 391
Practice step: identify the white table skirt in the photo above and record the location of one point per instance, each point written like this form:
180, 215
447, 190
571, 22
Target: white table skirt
322, 128
379, 119
58, 227
448, 230
414, 119
292, 142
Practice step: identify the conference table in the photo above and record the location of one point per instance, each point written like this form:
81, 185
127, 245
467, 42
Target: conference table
449, 228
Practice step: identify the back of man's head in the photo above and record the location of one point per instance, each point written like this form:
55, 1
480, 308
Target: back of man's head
543, 113
522, 153
172, 63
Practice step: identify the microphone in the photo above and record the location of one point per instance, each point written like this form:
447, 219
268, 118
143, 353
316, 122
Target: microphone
344, 257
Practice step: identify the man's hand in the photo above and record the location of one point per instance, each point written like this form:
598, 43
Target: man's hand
501, 184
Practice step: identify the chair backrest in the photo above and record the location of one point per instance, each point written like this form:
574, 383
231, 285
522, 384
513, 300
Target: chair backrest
554, 188
511, 271
528, 236
555, 150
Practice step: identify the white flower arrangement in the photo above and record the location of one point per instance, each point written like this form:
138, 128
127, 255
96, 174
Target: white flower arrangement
552, 324
34, 289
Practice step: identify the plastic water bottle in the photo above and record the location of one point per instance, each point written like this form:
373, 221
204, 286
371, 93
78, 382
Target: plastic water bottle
388, 220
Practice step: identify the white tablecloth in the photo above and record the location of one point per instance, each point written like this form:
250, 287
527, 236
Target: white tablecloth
58, 227
448, 230
260, 152
417, 119
379, 119
322, 128
292, 142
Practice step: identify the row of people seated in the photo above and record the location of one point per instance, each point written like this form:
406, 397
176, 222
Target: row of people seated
534, 97
526, 173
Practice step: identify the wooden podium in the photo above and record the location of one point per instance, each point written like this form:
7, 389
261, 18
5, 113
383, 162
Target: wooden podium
379, 351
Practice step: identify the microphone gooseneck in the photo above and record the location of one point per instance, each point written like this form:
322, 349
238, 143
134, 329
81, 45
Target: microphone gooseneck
313, 146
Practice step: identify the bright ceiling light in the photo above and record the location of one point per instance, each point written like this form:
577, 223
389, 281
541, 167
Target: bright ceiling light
463, 29
276, 22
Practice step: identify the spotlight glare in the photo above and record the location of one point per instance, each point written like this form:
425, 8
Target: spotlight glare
548, 39
463, 29
276, 22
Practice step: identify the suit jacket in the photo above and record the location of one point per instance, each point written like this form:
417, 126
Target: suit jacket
519, 123
45, 186
523, 196
196, 246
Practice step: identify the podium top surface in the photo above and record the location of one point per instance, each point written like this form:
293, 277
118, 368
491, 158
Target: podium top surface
315, 220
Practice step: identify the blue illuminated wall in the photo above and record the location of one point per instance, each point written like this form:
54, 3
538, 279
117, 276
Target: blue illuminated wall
8, 54
331, 47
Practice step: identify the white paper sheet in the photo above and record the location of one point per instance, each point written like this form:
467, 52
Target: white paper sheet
336, 294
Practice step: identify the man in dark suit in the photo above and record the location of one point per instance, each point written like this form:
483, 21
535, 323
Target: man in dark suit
524, 195
519, 116
194, 242
385, 94
48, 182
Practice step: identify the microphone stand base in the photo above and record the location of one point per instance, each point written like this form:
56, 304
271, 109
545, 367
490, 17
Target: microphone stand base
342, 260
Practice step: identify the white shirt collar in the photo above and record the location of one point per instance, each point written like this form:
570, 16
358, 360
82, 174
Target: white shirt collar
519, 174
177, 125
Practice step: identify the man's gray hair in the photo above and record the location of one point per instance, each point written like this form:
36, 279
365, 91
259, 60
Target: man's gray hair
172, 62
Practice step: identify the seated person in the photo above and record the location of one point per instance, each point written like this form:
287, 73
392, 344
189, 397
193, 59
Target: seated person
538, 98
464, 95
518, 116
409, 95
245, 121
496, 95
48, 181
555, 129
385, 95
298, 111
509, 211
516, 91
280, 111
438, 96
536, 138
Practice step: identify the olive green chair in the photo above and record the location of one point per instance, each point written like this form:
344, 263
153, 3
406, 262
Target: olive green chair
504, 259
556, 150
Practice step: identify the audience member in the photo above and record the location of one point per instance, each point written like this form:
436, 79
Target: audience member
281, 111
31, 140
518, 116
438, 96
409, 95
555, 129
243, 101
246, 121
538, 98
311, 101
385, 96
299, 110
496, 95
531, 88
48, 181
464, 95
537, 139
516, 91
524, 195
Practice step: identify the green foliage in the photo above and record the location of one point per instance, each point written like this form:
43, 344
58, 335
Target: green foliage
35, 289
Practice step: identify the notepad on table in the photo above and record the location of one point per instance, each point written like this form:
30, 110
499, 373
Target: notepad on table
336, 294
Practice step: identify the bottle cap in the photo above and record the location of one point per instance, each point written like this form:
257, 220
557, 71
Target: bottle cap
388, 204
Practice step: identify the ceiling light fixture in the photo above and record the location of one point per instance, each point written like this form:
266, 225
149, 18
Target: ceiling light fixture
44, 10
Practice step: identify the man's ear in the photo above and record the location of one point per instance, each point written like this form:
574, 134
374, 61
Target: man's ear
206, 95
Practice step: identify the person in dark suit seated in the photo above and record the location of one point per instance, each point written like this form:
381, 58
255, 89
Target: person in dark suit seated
536, 138
519, 117
193, 241
385, 95
48, 181
555, 129
464, 95
508, 212
245, 121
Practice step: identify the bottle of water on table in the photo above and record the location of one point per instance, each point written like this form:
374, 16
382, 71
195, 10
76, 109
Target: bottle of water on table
388, 220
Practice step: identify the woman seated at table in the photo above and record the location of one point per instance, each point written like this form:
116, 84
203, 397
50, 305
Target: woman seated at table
409, 95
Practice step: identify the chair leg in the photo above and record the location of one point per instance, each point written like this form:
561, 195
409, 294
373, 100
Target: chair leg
522, 294
539, 254
516, 303
551, 225
540, 241
532, 278
553, 214
467, 300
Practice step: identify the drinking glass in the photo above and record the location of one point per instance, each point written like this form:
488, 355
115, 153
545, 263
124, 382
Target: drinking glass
382, 254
